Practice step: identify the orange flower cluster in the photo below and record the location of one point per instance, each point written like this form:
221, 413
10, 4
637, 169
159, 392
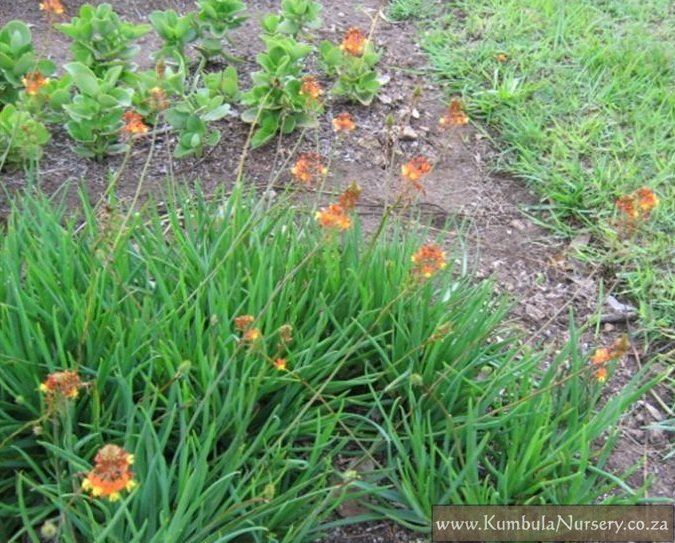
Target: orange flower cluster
33, 82
354, 42
428, 260
61, 384
111, 474
281, 364
52, 6
344, 122
133, 124
501, 57
311, 88
603, 355
455, 115
638, 205
244, 324
334, 217
308, 168
414, 170
350, 196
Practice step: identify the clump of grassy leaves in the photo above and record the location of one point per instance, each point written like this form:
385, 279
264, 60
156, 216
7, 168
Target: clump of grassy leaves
584, 108
382, 367
402, 10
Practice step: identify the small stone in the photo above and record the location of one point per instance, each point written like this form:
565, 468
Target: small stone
409, 133
518, 225
580, 241
655, 413
656, 435
385, 99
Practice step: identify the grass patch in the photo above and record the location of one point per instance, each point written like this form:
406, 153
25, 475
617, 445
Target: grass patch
402, 10
584, 110
407, 375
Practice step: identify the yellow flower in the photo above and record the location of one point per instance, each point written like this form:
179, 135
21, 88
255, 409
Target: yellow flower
281, 364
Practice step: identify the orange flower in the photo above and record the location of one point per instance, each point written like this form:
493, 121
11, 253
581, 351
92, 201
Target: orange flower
428, 260
455, 115
646, 200
415, 170
354, 42
615, 350
308, 168
600, 374
33, 82
61, 384
637, 205
111, 474
344, 122
311, 88
252, 334
626, 205
243, 322
602, 355
333, 217
349, 197
134, 124
52, 6
158, 99
281, 364
501, 57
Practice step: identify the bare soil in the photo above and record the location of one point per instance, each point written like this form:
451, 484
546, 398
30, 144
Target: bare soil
498, 240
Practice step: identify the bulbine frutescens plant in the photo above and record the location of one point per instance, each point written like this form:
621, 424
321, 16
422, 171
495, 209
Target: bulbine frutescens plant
241, 353
276, 102
17, 58
296, 17
22, 137
353, 63
96, 110
102, 40
217, 18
